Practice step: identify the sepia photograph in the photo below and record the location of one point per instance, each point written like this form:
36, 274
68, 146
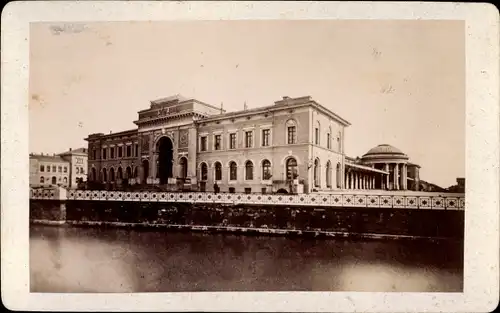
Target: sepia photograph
247, 155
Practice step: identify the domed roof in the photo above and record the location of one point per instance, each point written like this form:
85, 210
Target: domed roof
384, 151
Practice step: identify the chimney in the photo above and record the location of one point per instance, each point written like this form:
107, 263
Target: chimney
69, 149
286, 97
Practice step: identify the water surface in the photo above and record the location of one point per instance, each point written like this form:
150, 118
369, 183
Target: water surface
65, 259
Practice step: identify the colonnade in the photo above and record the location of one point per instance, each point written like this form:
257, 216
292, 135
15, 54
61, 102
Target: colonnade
396, 179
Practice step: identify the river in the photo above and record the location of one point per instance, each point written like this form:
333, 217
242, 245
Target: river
65, 259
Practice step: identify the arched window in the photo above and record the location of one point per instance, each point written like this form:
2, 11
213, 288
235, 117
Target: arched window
291, 131
119, 173
339, 177
266, 170
104, 175
128, 172
233, 171
42, 179
136, 172
112, 174
184, 167
249, 170
54, 180
328, 174
291, 169
218, 171
93, 175
65, 180
77, 170
316, 173
204, 171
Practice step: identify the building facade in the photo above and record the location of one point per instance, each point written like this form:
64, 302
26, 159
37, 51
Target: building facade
64, 169
48, 170
77, 159
295, 145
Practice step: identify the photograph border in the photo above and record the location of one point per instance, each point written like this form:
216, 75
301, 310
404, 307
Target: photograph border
481, 270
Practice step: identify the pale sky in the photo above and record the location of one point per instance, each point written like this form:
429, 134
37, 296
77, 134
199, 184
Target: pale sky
397, 82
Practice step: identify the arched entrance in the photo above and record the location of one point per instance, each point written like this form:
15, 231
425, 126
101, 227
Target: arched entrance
184, 167
282, 191
165, 149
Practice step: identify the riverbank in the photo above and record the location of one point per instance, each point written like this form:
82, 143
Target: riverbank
245, 231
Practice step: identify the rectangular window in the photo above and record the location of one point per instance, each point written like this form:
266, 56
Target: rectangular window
266, 134
264, 190
316, 136
42, 168
232, 190
54, 169
48, 168
203, 143
104, 154
292, 135
328, 141
94, 152
248, 139
129, 151
120, 152
60, 169
232, 141
112, 152
248, 190
217, 142
65, 169
136, 149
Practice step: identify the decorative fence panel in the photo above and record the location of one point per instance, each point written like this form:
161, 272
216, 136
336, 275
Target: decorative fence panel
429, 201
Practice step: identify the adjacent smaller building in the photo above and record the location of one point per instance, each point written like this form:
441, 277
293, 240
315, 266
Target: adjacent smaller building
66, 169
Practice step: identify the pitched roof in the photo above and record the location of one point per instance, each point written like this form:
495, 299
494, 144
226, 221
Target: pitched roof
48, 158
75, 151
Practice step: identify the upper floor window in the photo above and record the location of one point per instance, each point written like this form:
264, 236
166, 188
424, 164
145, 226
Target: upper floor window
266, 135
48, 168
292, 134
316, 135
77, 170
339, 142
328, 139
65, 169
217, 142
136, 149
232, 141
82, 170
42, 180
54, 169
129, 151
104, 153
94, 153
203, 143
42, 168
112, 152
60, 169
248, 139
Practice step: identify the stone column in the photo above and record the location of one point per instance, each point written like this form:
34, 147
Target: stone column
373, 182
396, 176
405, 175
387, 175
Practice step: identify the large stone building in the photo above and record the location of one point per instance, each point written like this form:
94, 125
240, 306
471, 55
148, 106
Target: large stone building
295, 145
64, 169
